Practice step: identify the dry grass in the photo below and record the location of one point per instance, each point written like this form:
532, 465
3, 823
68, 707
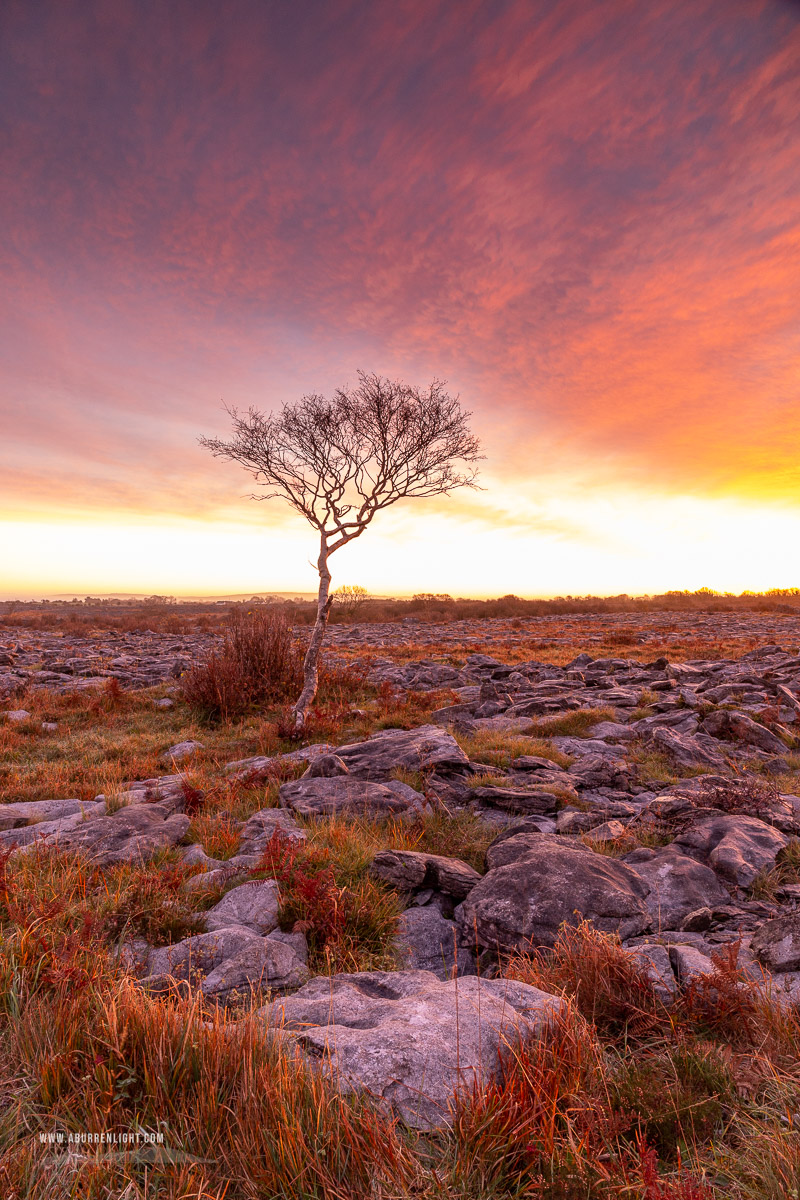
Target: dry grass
498, 749
578, 723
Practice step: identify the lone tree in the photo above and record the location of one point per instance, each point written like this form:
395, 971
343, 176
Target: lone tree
340, 461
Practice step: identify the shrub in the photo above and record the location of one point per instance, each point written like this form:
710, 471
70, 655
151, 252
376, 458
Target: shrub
350, 927
259, 662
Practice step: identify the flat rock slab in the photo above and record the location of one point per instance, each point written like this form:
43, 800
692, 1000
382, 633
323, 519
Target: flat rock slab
520, 800
344, 794
412, 1040
736, 847
411, 870
259, 767
130, 835
426, 748
538, 881
25, 812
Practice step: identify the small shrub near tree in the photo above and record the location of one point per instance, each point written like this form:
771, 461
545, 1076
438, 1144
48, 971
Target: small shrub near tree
259, 662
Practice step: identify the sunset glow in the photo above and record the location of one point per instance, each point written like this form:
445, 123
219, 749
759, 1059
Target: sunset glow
586, 218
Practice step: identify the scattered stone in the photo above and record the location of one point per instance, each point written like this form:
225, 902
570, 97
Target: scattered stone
182, 751
410, 870
345, 794
253, 905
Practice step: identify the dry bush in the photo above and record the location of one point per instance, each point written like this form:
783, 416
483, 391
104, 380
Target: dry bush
604, 981
259, 662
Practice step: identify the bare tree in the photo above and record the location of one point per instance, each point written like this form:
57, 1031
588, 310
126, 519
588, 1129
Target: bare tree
350, 598
341, 461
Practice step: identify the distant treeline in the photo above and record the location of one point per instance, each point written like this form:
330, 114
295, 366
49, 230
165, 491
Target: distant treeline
170, 614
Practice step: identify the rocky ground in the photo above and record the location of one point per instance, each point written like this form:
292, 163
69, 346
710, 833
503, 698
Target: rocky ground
65, 662
657, 800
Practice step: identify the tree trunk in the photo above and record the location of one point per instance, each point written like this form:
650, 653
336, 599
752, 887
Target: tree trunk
311, 661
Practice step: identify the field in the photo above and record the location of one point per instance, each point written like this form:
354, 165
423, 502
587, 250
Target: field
687, 1094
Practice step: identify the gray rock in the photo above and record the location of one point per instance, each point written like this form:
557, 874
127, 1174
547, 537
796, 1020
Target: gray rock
412, 869
182, 751
654, 960
345, 794
687, 751
518, 800
777, 943
253, 905
689, 964
265, 964
129, 835
15, 715
736, 847
412, 1040
678, 885
259, 829
600, 771
536, 882
326, 766
427, 941
196, 956
741, 728
259, 767
27, 812
195, 855
426, 748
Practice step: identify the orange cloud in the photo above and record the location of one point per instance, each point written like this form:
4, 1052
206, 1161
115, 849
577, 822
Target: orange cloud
585, 217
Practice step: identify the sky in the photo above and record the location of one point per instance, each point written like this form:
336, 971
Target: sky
584, 217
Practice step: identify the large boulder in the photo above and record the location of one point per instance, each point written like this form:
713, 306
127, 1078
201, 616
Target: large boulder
536, 882
410, 870
425, 748
345, 794
253, 905
409, 1039
678, 885
736, 847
